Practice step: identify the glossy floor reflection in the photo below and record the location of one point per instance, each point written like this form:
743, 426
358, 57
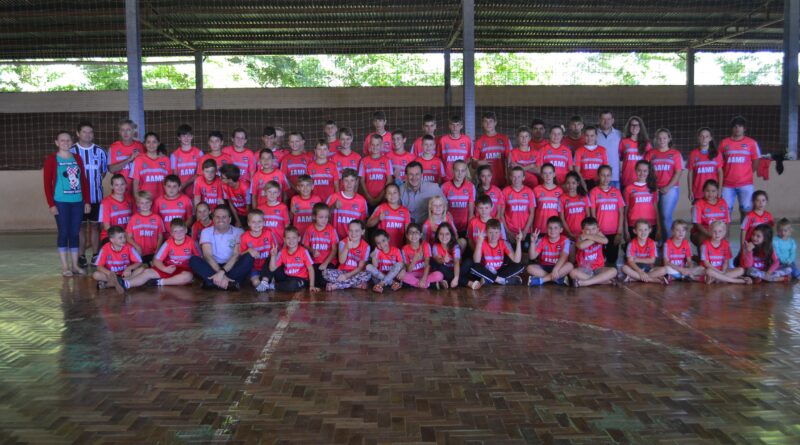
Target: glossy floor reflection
641, 364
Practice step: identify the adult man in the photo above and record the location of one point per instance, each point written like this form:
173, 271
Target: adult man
221, 266
95, 165
414, 193
609, 137
740, 155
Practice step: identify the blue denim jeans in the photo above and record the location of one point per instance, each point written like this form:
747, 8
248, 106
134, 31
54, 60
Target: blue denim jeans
68, 221
666, 205
745, 196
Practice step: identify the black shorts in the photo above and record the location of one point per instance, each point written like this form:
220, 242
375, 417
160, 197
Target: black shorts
93, 215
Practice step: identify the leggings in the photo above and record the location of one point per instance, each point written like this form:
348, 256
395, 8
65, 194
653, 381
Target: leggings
68, 221
332, 275
506, 271
611, 251
779, 274
449, 272
384, 278
413, 278
283, 282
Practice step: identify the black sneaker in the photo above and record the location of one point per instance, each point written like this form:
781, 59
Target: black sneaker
94, 259
152, 282
82, 263
516, 280
122, 283
233, 286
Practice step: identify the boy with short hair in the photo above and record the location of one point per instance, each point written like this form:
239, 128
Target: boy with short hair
276, 214
538, 130
641, 254
241, 156
257, 243
400, 157
525, 157
493, 262
492, 149
145, 229
266, 173
574, 139
455, 146
589, 157
375, 172
552, 251
590, 264
173, 204
208, 189
236, 192
117, 259
215, 140
379, 124
115, 209
295, 163
331, 131
269, 139
171, 262
432, 166
520, 204
677, 256
346, 157
428, 128
301, 206
347, 205
323, 172
786, 247
291, 268
477, 224
183, 161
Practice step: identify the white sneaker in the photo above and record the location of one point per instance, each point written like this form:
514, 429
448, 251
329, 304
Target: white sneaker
265, 286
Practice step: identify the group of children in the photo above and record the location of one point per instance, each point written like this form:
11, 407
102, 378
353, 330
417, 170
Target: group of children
332, 219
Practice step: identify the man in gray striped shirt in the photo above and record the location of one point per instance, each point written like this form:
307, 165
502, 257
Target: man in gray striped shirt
95, 163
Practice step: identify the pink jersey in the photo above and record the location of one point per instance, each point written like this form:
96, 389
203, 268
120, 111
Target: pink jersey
409, 253
238, 196
171, 208
738, 157
493, 256
321, 241
333, 147
432, 169
458, 200
524, 159
589, 159
261, 243
301, 210
184, 163
394, 222
198, 227
705, 213
209, 192
277, 156
294, 166
150, 173
145, 231
475, 228
295, 264
115, 213
573, 143
354, 255
575, 209
641, 203
344, 210
677, 255
416, 147
718, 257
628, 157
258, 191
276, 218
246, 160
387, 146
753, 219
497, 197
494, 150
325, 177
429, 231
519, 205
703, 169
343, 161
453, 150
375, 173
387, 260
399, 163
173, 254
548, 203
117, 260
639, 252
606, 208
449, 257
221, 160
560, 157
591, 257
665, 165
550, 251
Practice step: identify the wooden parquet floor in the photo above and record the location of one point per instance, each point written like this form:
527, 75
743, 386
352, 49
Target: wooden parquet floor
682, 364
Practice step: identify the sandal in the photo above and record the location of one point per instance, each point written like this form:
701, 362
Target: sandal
66, 273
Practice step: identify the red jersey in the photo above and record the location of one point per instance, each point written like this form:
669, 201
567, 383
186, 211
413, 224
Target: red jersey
354, 255
150, 173
572, 143
344, 210
210, 193
432, 169
548, 203
295, 264
450, 256
145, 231
537, 145
375, 172
591, 257
184, 163
606, 208
409, 252
453, 150
118, 152
333, 147
343, 161
705, 213
703, 169
277, 157
677, 255
386, 147
115, 213
246, 160
171, 208
519, 205
753, 219
497, 197
524, 159
416, 147
640, 252
117, 260
221, 160
493, 256
394, 222
173, 254
293, 166
458, 200
321, 241
399, 163
258, 192
325, 177
575, 209
560, 157
628, 157
262, 244
301, 211
642, 203
550, 251
276, 218
429, 232
475, 228
589, 159
238, 196
387, 260
198, 227
718, 257
737, 161
494, 150
665, 165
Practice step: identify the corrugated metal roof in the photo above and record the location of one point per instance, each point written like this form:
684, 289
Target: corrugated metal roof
96, 28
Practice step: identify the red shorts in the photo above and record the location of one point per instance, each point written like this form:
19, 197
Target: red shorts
178, 270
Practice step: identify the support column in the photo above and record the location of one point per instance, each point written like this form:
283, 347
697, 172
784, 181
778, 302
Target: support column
690, 77
134, 53
448, 89
791, 46
468, 35
198, 80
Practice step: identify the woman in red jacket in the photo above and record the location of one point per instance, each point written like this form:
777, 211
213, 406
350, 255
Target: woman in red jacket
67, 192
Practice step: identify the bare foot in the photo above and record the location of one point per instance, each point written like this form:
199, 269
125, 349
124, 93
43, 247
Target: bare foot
475, 285
378, 288
362, 286
397, 285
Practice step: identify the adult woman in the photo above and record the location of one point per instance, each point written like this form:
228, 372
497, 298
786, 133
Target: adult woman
632, 149
667, 164
705, 162
67, 192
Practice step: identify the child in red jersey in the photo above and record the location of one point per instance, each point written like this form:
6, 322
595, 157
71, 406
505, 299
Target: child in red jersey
706, 210
236, 192
521, 205
437, 214
267, 172
171, 262
632, 149
705, 162
386, 264
715, 255
589, 158
589, 262
353, 256
667, 165
417, 254
375, 172
552, 251
486, 187
203, 213
493, 262
759, 215
537, 133
609, 209
258, 243
321, 241
477, 225
400, 157
301, 205
123, 152
269, 139
460, 195
148, 171
241, 156
117, 259
575, 205
575, 137
379, 124
183, 161
760, 260
347, 205
556, 154
291, 268
208, 189
145, 229
677, 256
525, 157
492, 149
428, 128
391, 216
454, 146
641, 255
446, 257
215, 153
295, 163
115, 209
346, 157
174, 204
432, 166
276, 214
547, 197
641, 200
323, 172
331, 132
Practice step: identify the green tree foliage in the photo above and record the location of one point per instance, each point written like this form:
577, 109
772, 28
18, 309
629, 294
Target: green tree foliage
377, 70
165, 77
747, 70
14, 78
284, 71
106, 77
